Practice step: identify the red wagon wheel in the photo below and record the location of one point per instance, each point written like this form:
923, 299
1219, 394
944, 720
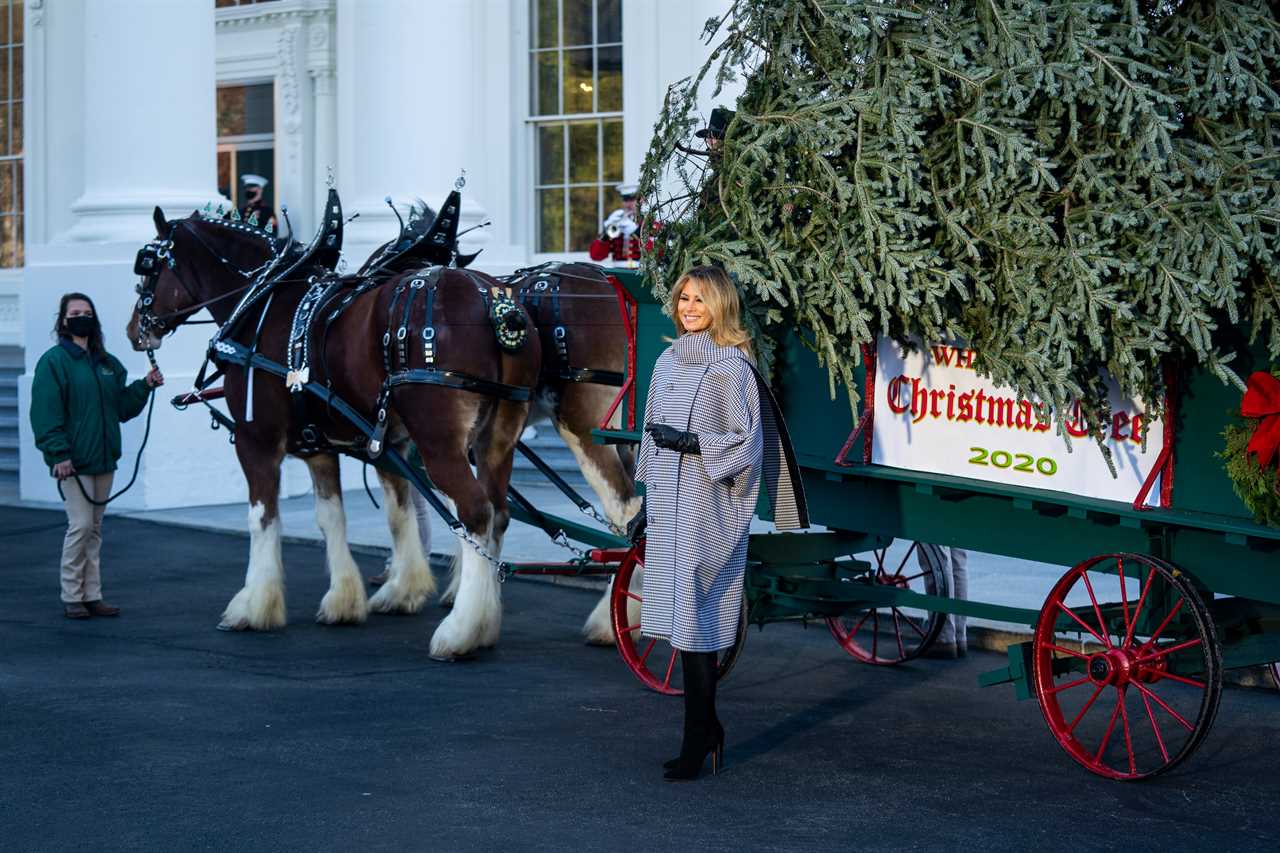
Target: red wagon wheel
654, 661
891, 635
1136, 691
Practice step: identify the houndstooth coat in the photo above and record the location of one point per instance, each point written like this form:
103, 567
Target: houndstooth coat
700, 506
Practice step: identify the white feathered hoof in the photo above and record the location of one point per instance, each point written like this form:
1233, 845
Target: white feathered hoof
598, 629
455, 580
407, 592
455, 639
344, 604
258, 609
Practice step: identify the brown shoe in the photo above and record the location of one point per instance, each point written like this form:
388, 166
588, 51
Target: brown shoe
99, 608
75, 610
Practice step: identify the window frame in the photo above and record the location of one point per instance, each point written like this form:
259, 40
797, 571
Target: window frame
535, 121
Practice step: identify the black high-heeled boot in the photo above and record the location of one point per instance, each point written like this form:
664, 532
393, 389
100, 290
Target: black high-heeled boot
703, 734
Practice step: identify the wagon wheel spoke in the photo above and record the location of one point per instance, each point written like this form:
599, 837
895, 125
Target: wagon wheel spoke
1168, 650
627, 629
1155, 727
1137, 611
1065, 651
1058, 688
911, 622
630, 594
653, 642
897, 631
1097, 611
1163, 704
1087, 705
1151, 641
907, 556
861, 622
1111, 727
1173, 676
1124, 596
671, 665
875, 634
1067, 610
1128, 738
910, 578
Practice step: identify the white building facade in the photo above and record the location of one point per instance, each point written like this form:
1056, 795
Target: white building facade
126, 104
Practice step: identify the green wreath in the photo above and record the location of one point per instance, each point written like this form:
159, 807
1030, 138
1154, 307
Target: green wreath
1258, 487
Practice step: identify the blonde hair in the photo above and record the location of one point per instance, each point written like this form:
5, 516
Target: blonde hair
721, 298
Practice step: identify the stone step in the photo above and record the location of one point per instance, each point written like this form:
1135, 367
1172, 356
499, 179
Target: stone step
11, 358
9, 459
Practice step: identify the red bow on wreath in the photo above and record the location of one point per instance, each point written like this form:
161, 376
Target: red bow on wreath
1262, 400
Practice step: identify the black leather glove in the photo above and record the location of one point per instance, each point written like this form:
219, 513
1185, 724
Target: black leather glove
636, 526
673, 439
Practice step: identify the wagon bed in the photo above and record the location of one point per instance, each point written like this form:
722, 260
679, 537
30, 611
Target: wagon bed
1128, 677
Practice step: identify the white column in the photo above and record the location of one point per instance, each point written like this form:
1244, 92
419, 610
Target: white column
148, 112
405, 91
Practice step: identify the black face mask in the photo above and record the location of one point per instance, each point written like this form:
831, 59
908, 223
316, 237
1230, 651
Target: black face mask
81, 326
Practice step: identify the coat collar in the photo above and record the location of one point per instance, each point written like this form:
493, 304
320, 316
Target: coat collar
699, 348
75, 350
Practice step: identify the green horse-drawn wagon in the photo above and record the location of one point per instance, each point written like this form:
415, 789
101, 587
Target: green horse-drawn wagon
1165, 591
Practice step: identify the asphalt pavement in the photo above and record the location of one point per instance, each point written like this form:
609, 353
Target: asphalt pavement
156, 732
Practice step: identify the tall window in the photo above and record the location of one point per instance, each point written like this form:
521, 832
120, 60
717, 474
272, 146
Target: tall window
246, 140
575, 107
11, 246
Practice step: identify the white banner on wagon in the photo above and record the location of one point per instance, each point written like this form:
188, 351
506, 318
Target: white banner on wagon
934, 413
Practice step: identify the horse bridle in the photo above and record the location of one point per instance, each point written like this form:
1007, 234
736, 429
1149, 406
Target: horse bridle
149, 264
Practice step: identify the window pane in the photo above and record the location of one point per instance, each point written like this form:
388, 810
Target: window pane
18, 185
577, 22
584, 217
10, 242
608, 21
612, 201
609, 79
582, 153
546, 86
4, 131
612, 151
4, 21
551, 220
6, 187
551, 154
4, 72
245, 109
547, 16
578, 84
16, 26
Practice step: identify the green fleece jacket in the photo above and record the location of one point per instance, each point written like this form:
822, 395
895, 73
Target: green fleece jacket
77, 405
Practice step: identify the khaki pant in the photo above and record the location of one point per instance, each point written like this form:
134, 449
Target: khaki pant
83, 543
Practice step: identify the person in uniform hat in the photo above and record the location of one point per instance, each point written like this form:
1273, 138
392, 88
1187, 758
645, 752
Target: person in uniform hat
713, 435
254, 185
619, 233
713, 134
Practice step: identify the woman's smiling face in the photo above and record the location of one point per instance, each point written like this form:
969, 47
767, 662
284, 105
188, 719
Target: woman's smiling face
691, 310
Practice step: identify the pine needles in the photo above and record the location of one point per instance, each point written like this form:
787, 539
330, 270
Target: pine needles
1071, 187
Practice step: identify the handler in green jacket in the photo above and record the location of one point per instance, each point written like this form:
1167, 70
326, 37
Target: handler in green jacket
79, 397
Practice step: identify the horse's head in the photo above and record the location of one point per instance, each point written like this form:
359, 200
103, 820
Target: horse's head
193, 263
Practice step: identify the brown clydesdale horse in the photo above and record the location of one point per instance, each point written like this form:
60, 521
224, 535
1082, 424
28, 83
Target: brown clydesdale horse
208, 262
578, 299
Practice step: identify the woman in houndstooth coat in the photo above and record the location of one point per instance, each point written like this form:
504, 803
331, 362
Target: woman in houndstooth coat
713, 432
